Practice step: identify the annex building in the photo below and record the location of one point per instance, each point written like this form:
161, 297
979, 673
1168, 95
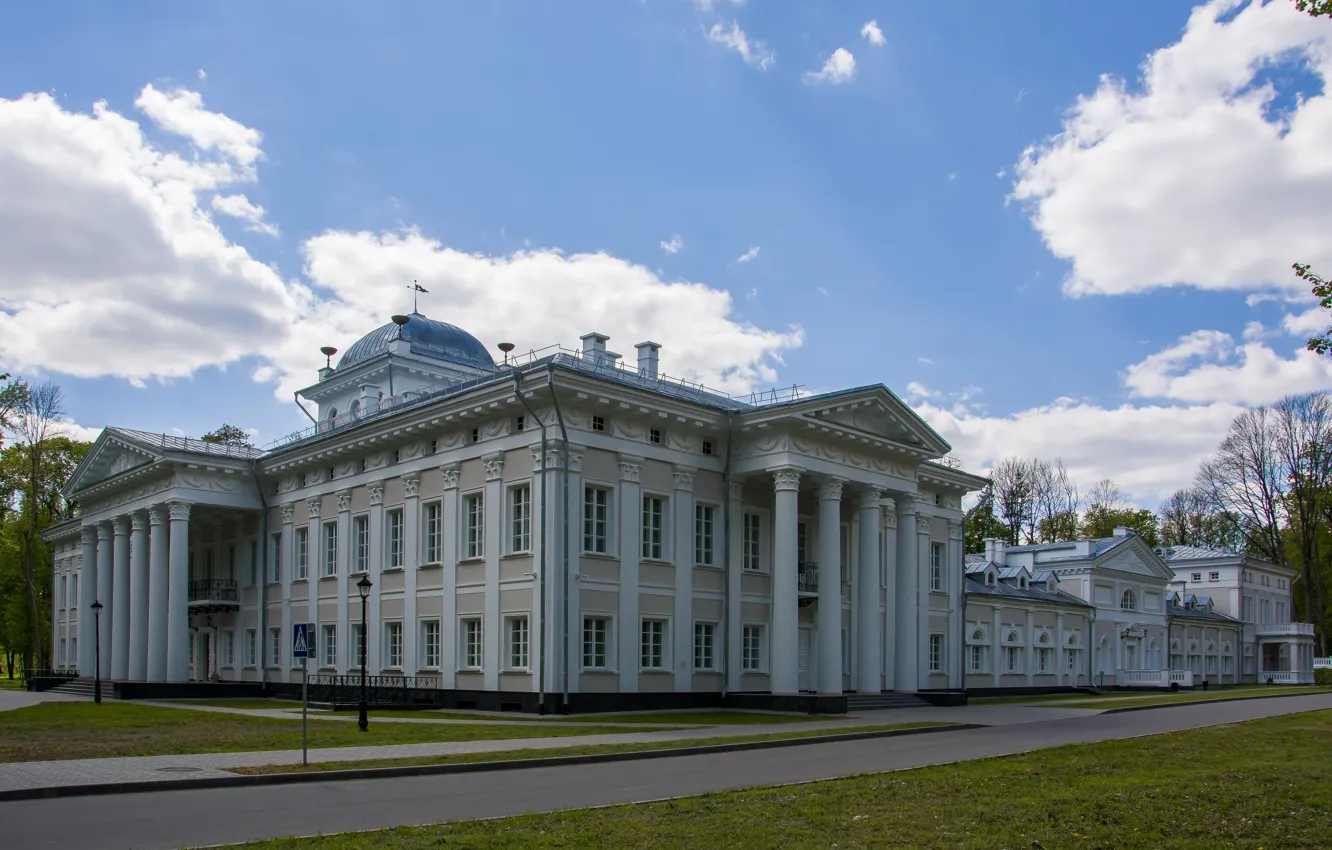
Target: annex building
562, 530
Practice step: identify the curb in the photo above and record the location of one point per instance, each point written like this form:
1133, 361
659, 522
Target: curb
241, 780
1186, 703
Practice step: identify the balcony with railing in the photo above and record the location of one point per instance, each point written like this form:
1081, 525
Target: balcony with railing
1285, 630
214, 594
807, 577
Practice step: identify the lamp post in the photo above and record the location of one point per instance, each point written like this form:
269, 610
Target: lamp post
364, 587
97, 648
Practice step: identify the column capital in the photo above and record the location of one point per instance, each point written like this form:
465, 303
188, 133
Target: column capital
888, 504
88, 534
450, 471
631, 468
906, 503
923, 524
574, 457
786, 479
157, 514
684, 477
737, 489
830, 489
411, 485
180, 511
954, 530
889, 520
287, 510
103, 530
376, 490
314, 505
869, 498
138, 522
344, 501
494, 465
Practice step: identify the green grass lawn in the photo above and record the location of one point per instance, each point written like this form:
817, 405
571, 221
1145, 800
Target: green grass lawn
1194, 696
1067, 699
72, 730
245, 702
1261, 784
707, 718
8, 684
581, 750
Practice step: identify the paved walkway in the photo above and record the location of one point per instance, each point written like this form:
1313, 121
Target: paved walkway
178, 818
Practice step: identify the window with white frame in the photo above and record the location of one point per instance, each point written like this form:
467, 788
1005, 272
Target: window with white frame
654, 523
976, 659
61, 658
73, 650
228, 647
1013, 659
393, 645
1227, 664
1044, 658
302, 553
474, 523
596, 519
595, 634
358, 646
652, 648
1128, 601
751, 649
520, 518
330, 548
751, 537
471, 643
705, 644
802, 542
75, 603
251, 652
433, 533
275, 558
328, 645
1073, 665
430, 644
1214, 575
64, 592
1280, 612
936, 653
937, 552
1248, 609
361, 544
1195, 577
274, 647
254, 563
516, 652
704, 523
395, 539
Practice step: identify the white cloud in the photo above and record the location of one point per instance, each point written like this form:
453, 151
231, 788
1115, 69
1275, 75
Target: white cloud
751, 293
239, 206
203, 75
822, 290
753, 52
952, 175
839, 68
749, 255
1207, 366
1021, 96
709, 5
1190, 167
112, 267
924, 361
872, 32
672, 245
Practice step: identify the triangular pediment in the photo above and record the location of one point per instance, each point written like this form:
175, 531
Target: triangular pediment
1136, 557
876, 412
110, 456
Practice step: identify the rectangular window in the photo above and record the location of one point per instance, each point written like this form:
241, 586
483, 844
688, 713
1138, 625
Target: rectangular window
275, 647
936, 653
705, 635
654, 435
596, 516
751, 649
64, 595
250, 650
330, 548
654, 519
358, 646
1196, 577
595, 630
228, 648
1042, 661
1073, 665
1013, 659
471, 643
516, 652
395, 553
652, 650
520, 518
302, 552
430, 644
1227, 665
598, 423
231, 563
434, 534
275, 559
73, 652
474, 510
1281, 612
60, 659
254, 563
328, 645
802, 542
361, 544
1214, 575
976, 662
704, 522
751, 537
393, 645
75, 603
937, 552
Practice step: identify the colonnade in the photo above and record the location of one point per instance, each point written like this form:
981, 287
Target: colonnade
138, 564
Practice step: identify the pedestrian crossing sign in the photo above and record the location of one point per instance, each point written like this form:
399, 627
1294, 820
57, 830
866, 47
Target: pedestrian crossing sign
300, 640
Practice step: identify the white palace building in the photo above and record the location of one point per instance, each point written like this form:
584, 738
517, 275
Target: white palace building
564, 532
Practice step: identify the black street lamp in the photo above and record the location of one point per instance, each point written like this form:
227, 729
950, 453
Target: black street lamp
364, 586
97, 649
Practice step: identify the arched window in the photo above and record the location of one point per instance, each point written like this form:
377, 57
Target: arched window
1022, 582
979, 634
1012, 637
989, 578
1129, 601
1151, 647
1044, 638
332, 414
355, 408
1072, 640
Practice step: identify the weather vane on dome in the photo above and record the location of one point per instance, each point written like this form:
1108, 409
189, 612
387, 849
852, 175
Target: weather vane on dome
415, 288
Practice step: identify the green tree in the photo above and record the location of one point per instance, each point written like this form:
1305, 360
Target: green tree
1317, 8
979, 522
228, 435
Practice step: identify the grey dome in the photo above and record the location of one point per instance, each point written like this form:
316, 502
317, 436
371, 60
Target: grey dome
428, 338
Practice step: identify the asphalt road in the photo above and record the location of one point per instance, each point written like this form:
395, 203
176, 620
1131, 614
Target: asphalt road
170, 819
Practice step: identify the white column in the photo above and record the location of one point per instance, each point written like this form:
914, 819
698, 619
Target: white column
178, 597
572, 540
346, 587
829, 614
494, 537
286, 570
869, 660
1031, 648
630, 512
908, 603
735, 513
138, 601
1061, 662
87, 593
378, 552
411, 557
448, 627
996, 648
923, 559
105, 593
888, 659
157, 594
120, 593
785, 678
684, 580
955, 573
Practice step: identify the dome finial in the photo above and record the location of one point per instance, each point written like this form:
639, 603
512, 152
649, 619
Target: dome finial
416, 287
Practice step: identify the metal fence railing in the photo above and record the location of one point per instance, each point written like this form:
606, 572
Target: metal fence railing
381, 690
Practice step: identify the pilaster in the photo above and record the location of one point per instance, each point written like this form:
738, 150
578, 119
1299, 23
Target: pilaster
683, 633
411, 560
493, 646
630, 515
735, 587
448, 627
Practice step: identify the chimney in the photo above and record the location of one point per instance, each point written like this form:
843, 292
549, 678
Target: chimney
1122, 531
647, 359
996, 551
611, 359
594, 347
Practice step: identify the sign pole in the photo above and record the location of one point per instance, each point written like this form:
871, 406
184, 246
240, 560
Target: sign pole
305, 707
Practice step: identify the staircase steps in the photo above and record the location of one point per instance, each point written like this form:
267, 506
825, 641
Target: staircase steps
881, 702
82, 687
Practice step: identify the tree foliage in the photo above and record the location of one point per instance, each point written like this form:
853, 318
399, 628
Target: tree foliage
228, 435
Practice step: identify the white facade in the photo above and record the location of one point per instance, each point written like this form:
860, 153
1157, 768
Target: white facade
567, 528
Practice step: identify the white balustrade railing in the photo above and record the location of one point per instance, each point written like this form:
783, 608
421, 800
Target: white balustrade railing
1323, 663
1285, 630
1287, 677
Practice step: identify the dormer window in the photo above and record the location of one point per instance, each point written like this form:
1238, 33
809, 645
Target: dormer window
654, 435
1022, 582
989, 578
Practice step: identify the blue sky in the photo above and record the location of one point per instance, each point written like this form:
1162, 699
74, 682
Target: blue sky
886, 234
